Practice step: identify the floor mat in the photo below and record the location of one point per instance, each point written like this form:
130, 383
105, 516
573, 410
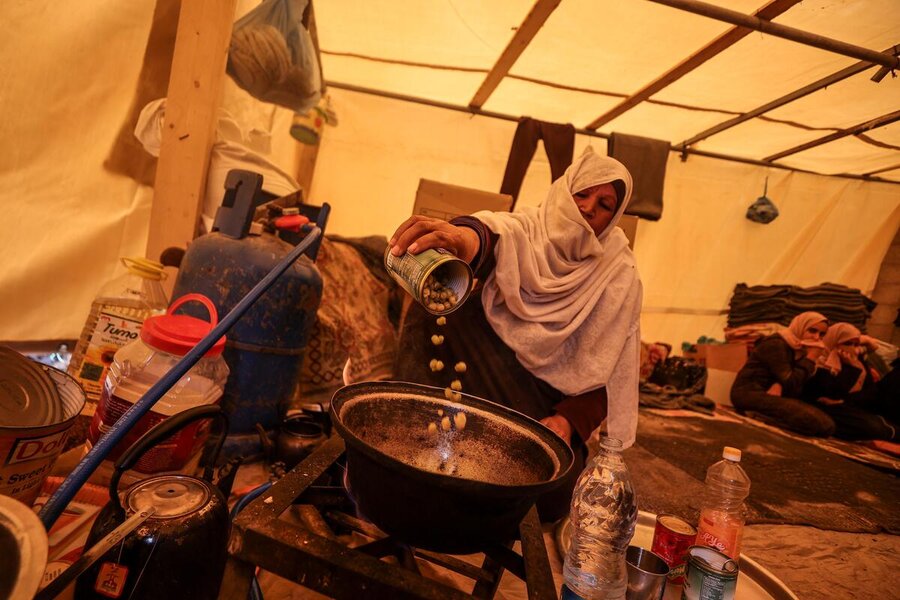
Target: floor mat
793, 481
877, 454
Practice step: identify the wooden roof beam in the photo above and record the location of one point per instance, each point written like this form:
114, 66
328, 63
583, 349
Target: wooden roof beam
783, 31
727, 39
882, 170
861, 128
778, 102
523, 36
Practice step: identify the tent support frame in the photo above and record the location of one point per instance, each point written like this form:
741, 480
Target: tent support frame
588, 132
786, 99
724, 41
533, 22
857, 129
783, 31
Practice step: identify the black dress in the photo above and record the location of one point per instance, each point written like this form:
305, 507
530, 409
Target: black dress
774, 361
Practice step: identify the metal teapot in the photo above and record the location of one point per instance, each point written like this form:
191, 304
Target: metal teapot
180, 550
298, 435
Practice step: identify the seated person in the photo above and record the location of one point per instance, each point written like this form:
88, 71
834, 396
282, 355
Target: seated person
845, 388
771, 382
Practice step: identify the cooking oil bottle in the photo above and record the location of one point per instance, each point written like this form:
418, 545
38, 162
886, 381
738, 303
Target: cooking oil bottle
116, 316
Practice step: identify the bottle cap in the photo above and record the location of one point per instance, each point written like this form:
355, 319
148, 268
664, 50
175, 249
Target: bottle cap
178, 334
730, 453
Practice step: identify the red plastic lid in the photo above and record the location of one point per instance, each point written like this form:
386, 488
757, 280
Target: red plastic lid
291, 222
178, 334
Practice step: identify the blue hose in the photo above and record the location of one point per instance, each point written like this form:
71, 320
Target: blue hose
248, 498
83, 470
255, 591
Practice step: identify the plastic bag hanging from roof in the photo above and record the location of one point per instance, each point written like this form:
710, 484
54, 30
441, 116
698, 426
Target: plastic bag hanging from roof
763, 210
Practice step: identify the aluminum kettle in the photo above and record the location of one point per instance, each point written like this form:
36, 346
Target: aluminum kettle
180, 551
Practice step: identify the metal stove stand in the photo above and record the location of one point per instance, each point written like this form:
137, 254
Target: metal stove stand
313, 557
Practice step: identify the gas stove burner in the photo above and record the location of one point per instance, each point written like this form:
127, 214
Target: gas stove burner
316, 556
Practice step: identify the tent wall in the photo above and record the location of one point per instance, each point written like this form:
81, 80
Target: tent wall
830, 229
70, 71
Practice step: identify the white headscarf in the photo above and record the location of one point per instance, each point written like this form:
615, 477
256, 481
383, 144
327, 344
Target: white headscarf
793, 333
837, 334
568, 301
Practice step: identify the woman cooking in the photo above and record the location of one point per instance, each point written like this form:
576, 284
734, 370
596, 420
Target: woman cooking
554, 330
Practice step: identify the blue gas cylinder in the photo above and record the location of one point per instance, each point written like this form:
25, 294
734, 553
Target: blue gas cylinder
265, 348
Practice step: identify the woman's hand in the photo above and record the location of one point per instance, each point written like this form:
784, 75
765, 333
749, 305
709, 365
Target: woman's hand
868, 342
559, 425
849, 356
815, 353
419, 233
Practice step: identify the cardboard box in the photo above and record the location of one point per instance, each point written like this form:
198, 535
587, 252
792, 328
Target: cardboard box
724, 357
445, 201
718, 386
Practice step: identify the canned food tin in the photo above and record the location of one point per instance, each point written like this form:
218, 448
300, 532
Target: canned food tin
671, 539
709, 575
435, 278
38, 405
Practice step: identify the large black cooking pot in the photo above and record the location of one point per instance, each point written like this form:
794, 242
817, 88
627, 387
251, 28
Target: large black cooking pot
454, 490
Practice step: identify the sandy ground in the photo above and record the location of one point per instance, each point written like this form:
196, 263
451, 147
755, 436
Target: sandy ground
818, 564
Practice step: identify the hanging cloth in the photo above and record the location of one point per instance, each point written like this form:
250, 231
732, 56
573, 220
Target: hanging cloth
646, 159
559, 143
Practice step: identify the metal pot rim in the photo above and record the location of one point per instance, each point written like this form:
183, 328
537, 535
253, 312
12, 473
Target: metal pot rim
562, 452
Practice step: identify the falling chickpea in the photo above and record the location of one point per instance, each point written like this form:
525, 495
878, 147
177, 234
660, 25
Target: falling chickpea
442, 321
460, 367
445, 423
437, 340
448, 393
440, 412
432, 428
459, 419
456, 385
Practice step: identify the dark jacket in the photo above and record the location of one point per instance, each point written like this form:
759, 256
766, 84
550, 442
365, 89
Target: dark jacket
774, 361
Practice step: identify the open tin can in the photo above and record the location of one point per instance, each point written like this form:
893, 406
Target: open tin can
38, 405
709, 575
432, 271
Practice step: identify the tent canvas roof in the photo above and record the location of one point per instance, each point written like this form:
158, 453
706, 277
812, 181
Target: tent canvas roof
590, 54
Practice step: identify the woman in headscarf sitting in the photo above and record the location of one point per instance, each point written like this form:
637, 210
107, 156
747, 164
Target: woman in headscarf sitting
554, 330
770, 384
845, 387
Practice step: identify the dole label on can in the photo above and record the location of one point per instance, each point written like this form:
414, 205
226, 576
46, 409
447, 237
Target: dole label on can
37, 448
38, 405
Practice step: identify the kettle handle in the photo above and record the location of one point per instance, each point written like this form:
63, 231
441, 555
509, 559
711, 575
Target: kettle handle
161, 432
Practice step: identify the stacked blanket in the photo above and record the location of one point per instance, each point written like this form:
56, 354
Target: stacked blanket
780, 303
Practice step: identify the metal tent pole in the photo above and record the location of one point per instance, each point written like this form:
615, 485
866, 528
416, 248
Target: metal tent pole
783, 31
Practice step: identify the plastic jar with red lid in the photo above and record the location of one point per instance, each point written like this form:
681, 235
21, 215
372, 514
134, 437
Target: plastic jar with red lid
163, 341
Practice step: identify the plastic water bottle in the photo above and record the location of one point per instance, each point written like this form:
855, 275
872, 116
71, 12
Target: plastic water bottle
604, 513
722, 514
